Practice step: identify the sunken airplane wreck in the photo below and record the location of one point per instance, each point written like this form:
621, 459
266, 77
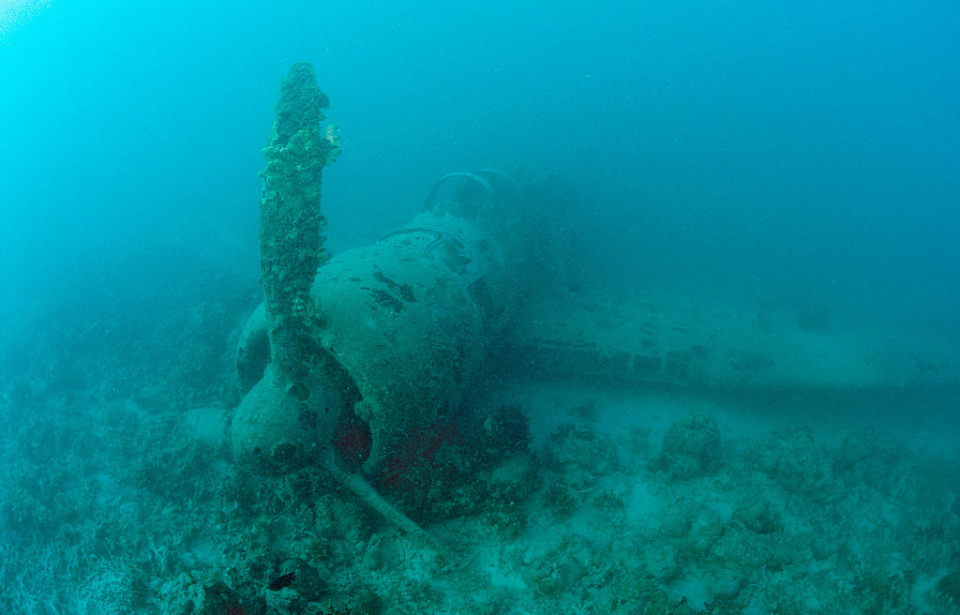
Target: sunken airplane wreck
352, 357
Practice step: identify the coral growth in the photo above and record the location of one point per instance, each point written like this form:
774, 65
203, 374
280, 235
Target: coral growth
460, 466
291, 223
352, 441
691, 447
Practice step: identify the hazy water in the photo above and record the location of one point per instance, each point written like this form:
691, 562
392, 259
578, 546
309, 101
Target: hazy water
776, 154
786, 152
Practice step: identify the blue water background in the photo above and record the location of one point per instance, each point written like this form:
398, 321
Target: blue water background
778, 152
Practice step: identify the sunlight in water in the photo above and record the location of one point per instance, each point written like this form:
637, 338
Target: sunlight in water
15, 13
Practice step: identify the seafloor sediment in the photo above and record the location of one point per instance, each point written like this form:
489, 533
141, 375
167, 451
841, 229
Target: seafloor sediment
119, 496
